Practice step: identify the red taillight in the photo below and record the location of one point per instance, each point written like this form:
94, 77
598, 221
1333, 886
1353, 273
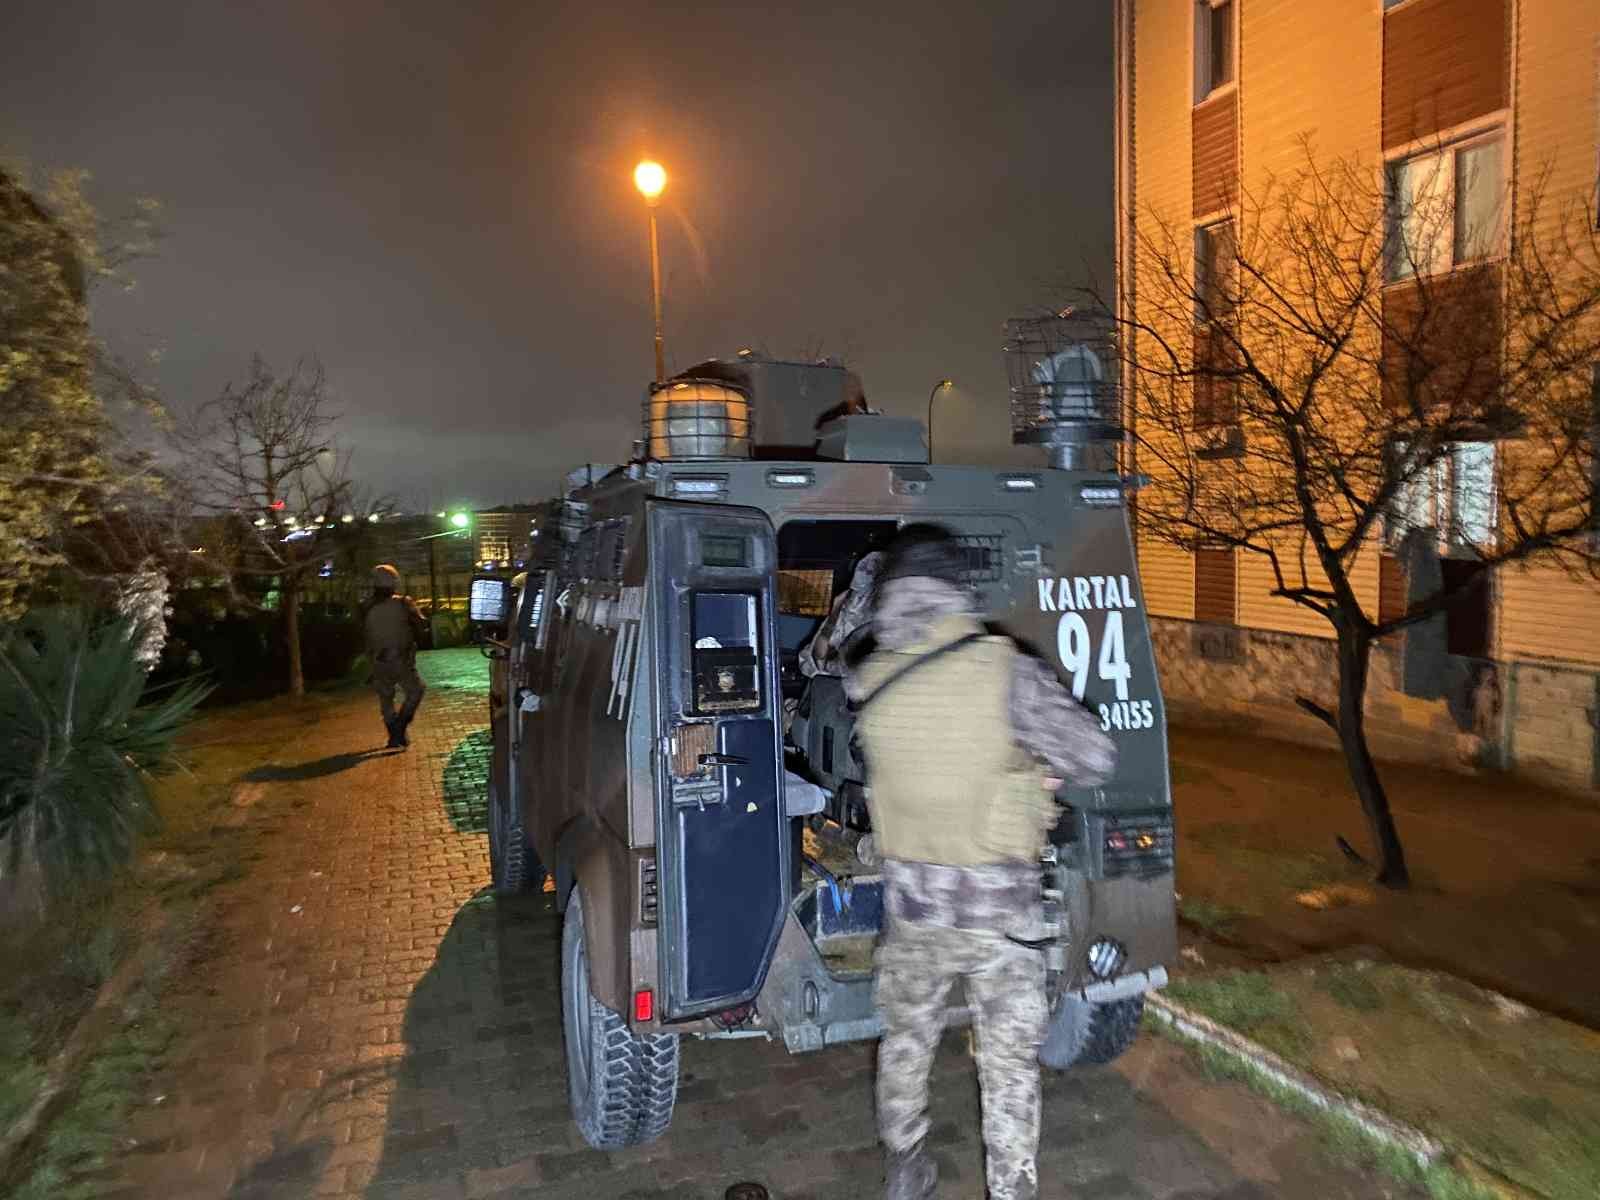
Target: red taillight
644, 1005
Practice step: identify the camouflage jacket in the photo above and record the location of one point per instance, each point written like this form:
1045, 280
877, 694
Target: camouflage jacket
852, 612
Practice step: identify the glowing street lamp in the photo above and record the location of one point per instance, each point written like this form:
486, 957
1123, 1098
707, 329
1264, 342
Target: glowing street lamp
460, 520
651, 180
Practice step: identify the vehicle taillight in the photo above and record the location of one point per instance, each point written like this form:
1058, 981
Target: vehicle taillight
1137, 844
644, 1005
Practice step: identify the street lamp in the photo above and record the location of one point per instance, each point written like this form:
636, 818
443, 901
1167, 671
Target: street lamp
651, 180
943, 385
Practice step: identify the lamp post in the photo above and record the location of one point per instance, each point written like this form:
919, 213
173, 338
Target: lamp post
651, 179
943, 385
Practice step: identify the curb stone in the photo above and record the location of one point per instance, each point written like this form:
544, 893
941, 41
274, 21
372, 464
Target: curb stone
1426, 1151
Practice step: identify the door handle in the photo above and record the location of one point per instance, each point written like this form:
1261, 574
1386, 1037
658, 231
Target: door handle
722, 760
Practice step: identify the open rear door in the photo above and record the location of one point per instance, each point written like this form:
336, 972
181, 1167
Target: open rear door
722, 849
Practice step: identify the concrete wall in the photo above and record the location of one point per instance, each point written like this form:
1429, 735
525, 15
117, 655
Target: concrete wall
1539, 720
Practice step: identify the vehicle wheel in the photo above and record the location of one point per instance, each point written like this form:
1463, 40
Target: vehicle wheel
1082, 1033
513, 866
621, 1086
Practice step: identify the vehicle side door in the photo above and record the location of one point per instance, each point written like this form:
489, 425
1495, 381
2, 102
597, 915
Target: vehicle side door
722, 840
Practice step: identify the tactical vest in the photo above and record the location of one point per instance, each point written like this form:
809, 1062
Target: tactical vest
390, 634
948, 783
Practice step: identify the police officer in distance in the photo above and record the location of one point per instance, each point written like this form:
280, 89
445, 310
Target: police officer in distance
967, 739
392, 624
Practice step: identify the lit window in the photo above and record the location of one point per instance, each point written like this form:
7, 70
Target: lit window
1454, 496
1446, 208
1213, 46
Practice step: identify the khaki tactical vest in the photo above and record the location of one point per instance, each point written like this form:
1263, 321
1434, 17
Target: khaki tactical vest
948, 783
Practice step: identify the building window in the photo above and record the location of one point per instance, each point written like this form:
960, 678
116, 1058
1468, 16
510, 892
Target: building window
1215, 290
1215, 586
1446, 208
1214, 282
1454, 496
1213, 47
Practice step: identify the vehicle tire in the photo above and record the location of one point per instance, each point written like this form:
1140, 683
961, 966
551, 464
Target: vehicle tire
621, 1086
513, 866
1083, 1034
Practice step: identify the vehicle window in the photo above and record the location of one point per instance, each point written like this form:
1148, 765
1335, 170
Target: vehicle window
725, 652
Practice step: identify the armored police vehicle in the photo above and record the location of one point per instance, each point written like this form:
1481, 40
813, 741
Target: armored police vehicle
698, 802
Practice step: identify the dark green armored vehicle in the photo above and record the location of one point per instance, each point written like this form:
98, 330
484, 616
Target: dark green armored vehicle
696, 799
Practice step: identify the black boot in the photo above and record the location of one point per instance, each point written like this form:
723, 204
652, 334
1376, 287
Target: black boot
403, 724
912, 1175
397, 737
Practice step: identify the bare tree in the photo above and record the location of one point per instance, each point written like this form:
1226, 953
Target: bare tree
1356, 358
263, 463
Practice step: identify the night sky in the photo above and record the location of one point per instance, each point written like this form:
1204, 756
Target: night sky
436, 199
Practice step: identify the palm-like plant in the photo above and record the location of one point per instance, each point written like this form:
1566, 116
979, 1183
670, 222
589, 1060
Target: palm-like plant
77, 750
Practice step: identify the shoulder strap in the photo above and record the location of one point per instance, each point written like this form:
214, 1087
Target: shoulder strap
921, 661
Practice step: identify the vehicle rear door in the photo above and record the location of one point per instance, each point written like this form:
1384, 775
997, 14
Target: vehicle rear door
722, 847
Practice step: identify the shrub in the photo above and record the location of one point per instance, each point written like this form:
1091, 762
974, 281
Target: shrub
77, 751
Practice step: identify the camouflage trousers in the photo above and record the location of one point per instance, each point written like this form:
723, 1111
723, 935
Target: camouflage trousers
1005, 984
402, 675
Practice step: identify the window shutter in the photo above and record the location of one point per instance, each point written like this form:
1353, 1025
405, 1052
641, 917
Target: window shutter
1215, 586
1391, 588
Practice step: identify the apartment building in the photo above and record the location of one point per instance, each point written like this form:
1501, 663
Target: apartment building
1480, 104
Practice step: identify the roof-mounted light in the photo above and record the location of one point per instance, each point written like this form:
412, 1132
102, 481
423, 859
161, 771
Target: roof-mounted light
786, 478
1101, 495
1019, 483
698, 485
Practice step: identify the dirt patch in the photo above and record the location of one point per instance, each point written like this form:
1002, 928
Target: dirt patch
1507, 890
1516, 1090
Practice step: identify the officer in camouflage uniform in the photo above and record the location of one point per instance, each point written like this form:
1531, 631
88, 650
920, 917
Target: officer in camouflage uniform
824, 654
391, 623
967, 738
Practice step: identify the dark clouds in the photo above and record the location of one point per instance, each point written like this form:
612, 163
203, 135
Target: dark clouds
436, 199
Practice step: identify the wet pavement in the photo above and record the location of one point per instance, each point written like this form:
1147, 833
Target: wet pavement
368, 1021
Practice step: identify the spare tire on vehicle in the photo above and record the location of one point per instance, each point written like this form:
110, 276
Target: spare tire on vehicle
1083, 1033
621, 1086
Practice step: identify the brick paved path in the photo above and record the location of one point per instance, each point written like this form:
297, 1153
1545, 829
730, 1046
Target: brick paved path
371, 1022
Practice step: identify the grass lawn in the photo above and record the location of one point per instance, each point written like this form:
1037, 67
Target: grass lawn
1516, 1090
